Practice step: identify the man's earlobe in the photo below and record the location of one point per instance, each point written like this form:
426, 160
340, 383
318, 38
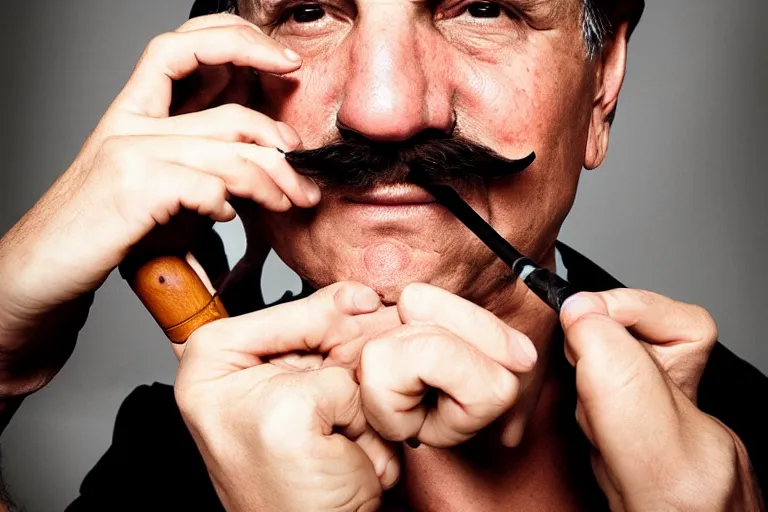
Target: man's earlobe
597, 141
610, 77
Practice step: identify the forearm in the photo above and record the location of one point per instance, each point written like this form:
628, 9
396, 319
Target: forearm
33, 348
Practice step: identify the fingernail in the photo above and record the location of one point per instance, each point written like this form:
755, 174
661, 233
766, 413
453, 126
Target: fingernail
366, 300
292, 55
303, 362
579, 305
311, 189
288, 135
391, 473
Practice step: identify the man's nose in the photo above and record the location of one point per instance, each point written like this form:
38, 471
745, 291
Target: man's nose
394, 88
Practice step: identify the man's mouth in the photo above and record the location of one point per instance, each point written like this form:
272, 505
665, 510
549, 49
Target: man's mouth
391, 203
399, 194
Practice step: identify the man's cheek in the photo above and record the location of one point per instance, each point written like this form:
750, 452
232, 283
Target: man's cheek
307, 100
495, 104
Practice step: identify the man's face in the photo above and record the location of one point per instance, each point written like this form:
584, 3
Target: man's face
512, 76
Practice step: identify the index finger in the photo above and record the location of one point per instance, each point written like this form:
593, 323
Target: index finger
175, 55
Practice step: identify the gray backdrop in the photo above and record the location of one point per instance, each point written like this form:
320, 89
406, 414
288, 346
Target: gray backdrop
678, 208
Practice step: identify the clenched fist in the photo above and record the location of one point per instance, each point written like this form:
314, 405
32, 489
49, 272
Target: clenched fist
470, 357
275, 438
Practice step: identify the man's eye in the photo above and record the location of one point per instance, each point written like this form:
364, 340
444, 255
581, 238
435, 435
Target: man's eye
484, 10
307, 13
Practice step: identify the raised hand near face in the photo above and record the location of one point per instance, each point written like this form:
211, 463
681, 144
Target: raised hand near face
653, 448
280, 439
138, 169
465, 353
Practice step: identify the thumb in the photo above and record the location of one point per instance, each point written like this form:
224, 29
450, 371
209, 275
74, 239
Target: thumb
626, 401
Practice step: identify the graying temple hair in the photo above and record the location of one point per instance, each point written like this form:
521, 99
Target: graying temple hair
595, 26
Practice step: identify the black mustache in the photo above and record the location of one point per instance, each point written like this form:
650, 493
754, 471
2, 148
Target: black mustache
364, 164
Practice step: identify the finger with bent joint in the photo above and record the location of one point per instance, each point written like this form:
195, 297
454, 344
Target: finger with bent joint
397, 370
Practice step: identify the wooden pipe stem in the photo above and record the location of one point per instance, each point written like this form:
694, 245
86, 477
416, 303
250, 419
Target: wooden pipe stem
175, 296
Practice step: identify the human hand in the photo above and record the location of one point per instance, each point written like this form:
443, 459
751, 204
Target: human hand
279, 439
464, 352
653, 448
138, 169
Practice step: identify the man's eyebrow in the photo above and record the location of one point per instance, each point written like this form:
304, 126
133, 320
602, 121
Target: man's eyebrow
257, 9
546, 11
548, 8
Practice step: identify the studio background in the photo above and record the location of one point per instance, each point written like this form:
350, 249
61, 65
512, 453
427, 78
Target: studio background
679, 207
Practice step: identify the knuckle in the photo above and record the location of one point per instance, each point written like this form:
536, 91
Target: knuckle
249, 34
620, 298
244, 177
209, 20
707, 327
600, 303
645, 297
161, 44
185, 396
124, 158
243, 162
504, 390
234, 112
218, 190
115, 144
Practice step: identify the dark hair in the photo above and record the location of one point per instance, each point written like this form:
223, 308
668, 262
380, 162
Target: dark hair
204, 7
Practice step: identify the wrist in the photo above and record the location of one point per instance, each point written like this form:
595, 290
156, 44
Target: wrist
722, 471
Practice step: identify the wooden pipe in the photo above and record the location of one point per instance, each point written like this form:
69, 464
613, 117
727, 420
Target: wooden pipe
174, 295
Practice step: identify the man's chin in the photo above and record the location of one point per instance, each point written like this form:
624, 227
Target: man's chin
388, 266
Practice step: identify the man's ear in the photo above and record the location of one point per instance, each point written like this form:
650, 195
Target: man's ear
610, 70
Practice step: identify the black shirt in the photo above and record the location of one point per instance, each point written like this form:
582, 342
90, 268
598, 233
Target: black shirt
153, 463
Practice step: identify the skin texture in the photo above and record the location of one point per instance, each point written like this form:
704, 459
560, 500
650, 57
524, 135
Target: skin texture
390, 70
427, 310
